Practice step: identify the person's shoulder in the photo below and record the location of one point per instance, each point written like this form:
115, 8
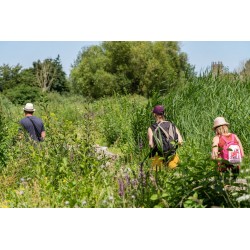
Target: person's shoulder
216, 138
235, 136
168, 122
23, 120
229, 136
36, 118
154, 124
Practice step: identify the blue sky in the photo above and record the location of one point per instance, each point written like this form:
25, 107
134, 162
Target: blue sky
231, 53
25, 53
200, 54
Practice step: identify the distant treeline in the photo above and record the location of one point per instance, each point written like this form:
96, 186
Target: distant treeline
127, 67
22, 85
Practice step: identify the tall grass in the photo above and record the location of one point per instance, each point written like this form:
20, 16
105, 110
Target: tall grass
65, 171
196, 106
193, 109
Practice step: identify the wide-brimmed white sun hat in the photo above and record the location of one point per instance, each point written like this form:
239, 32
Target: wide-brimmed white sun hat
219, 121
29, 107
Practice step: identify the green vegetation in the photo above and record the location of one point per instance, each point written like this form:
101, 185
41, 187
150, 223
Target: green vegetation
66, 171
23, 93
107, 100
129, 67
27, 85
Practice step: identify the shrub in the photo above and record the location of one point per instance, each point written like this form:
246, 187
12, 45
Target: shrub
22, 94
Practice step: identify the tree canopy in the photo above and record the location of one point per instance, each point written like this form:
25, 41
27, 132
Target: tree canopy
50, 75
129, 67
21, 85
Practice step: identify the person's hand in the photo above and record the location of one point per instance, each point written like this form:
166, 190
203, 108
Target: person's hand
20, 136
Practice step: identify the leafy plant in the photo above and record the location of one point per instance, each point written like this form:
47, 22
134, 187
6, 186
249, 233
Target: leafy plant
66, 171
22, 94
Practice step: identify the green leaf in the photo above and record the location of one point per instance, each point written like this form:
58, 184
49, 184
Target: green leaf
154, 197
157, 206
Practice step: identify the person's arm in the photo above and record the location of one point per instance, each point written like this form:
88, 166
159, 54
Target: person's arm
180, 140
43, 134
150, 138
240, 145
215, 147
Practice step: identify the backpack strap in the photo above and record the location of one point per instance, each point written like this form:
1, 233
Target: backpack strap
225, 140
37, 133
171, 131
163, 130
233, 138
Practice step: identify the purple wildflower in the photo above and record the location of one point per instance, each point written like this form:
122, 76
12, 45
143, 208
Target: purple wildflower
121, 187
127, 179
140, 145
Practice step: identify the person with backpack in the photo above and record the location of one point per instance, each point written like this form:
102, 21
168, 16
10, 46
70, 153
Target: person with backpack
32, 124
164, 138
226, 148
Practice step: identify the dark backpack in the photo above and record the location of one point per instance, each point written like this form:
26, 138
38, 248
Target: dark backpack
165, 138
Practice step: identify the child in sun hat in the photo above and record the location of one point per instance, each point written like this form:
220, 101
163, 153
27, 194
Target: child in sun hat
163, 138
223, 139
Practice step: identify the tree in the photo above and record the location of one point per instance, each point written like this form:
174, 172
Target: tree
89, 76
10, 76
60, 83
28, 77
45, 74
50, 75
23, 93
119, 56
130, 67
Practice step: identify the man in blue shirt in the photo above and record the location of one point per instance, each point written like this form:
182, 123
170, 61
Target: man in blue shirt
32, 124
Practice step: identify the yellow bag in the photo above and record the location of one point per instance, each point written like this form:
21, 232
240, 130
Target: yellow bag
157, 162
174, 161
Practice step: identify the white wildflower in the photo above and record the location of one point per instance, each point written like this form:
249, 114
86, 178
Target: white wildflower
243, 198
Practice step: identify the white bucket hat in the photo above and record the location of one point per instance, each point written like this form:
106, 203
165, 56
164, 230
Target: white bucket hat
219, 121
29, 107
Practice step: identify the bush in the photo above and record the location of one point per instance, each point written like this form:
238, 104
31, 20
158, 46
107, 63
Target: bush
22, 94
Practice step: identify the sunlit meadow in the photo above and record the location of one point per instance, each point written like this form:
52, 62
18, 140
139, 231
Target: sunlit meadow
66, 170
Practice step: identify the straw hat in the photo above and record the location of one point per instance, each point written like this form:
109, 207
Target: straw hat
219, 121
29, 107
